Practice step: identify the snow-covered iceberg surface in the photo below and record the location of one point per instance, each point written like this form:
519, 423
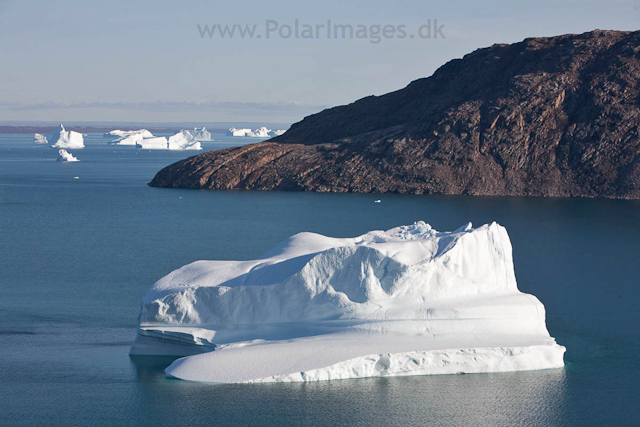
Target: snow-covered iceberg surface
408, 301
61, 138
65, 156
277, 132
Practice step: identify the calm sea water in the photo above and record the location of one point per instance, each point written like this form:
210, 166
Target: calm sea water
77, 255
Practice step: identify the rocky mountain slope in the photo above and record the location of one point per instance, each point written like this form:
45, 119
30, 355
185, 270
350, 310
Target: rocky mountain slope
557, 116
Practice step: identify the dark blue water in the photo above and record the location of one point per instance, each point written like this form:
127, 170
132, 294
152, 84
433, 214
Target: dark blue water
77, 255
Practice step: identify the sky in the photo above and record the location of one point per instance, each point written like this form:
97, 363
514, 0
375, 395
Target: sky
155, 61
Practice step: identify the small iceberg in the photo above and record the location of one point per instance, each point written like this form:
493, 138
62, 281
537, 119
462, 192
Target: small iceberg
407, 301
377, 201
40, 139
65, 156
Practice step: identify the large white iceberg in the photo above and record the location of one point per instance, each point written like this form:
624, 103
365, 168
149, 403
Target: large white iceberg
408, 301
155, 143
277, 132
61, 138
65, 156
183, 140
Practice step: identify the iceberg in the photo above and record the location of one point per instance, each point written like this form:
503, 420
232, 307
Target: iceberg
183, 140
262, 132
238, 132
155, 143
40, 139
61, 138
201, 134
125, 133
65, 156
407, 301
130, 137
127, 140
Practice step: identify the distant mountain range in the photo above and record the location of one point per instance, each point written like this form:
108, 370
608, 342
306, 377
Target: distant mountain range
556, 116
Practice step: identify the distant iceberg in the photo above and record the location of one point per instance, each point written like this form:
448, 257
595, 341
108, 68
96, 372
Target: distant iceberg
407, 301
125, 133
155, 143
40, 139
183, 140
128, 140
129, 137
65, 156
201, 134
238, 132
60, 138
262, 132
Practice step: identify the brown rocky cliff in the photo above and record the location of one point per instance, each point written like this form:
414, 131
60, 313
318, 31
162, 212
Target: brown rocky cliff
557, 116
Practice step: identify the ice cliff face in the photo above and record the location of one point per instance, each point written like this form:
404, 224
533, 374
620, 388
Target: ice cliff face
409, 289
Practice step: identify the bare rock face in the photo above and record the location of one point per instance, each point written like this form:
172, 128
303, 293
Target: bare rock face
557, 116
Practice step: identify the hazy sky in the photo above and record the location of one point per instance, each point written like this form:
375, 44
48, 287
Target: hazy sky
139, 60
